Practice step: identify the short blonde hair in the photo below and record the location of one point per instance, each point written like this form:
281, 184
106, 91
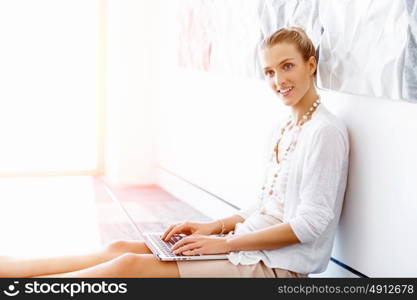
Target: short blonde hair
294, 35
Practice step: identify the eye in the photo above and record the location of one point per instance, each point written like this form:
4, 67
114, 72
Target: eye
269, 73
288, 66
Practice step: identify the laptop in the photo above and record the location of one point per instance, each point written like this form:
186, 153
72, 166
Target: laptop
162, 249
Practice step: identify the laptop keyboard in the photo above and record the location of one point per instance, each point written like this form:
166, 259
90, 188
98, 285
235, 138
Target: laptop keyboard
166, 246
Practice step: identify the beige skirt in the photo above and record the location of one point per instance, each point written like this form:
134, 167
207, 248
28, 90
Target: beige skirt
225, 269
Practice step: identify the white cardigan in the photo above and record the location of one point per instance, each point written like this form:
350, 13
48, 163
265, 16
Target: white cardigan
313, 198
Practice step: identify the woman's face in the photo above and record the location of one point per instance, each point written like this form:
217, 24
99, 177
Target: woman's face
287, 73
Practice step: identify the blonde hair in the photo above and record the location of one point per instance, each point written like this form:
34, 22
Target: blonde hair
294, 35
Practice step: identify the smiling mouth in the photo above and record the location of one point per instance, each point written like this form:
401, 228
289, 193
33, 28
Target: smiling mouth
286, 91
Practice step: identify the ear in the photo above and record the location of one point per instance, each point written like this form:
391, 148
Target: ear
312, 63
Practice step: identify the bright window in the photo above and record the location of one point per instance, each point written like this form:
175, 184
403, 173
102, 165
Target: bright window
48, 86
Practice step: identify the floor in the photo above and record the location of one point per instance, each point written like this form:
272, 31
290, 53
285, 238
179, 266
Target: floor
141, 209
68, 215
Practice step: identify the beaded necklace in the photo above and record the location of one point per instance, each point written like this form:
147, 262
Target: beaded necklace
295, 132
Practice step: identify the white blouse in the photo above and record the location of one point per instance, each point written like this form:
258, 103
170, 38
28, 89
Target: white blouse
308, 195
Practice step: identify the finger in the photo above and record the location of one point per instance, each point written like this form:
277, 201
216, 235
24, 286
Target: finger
187, 247
167, 231
182, 243
180, 228
170, 232
195, 235
174, 230
195, 251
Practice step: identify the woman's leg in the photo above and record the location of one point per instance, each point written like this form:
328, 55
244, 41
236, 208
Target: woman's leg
17, 267
129, 265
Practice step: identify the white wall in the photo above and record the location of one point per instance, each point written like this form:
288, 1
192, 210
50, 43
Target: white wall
379, 225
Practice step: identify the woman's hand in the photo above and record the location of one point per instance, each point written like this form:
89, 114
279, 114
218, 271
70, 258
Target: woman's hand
189, 228
198, 244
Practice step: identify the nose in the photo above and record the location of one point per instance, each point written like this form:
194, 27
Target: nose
278, 80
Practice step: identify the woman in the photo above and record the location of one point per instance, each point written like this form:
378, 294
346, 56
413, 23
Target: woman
290, 231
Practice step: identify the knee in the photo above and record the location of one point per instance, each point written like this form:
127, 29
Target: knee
118, 247
128, 260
